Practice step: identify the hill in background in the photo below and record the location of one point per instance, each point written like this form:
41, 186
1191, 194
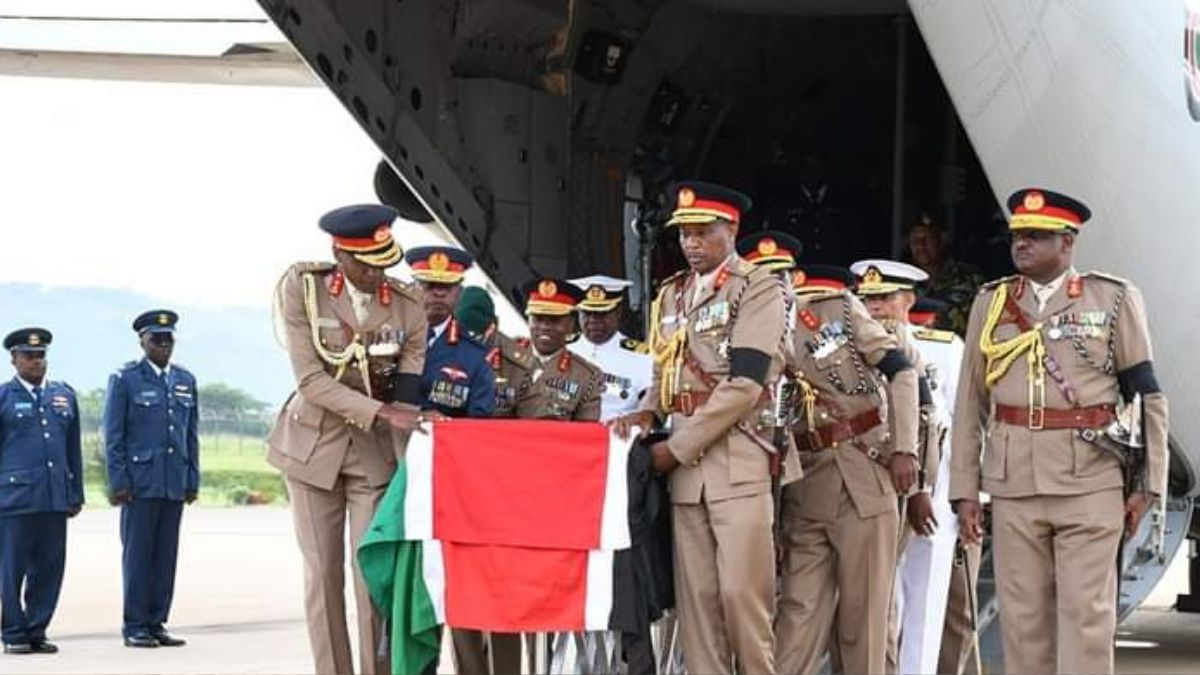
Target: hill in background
92, 337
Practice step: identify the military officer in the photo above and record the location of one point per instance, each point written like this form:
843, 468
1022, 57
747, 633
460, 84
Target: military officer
152, 455
625, 361
457, 381
41, 486
356, 342
1052, 355
948, 280
543, 379
887, 288
841, 520
717, 332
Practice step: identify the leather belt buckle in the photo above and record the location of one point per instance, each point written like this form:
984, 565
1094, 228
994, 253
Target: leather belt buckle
684, 403
1037, 418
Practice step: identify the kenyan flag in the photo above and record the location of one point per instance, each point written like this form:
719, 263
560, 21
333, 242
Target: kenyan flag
499, 525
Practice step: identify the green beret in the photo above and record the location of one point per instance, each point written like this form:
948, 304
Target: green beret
475, 310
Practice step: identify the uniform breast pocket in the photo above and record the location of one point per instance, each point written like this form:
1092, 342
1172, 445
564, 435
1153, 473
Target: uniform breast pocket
333, 338
20, 416
148, 400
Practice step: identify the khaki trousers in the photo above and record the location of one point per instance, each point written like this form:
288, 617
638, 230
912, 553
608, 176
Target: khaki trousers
843, 569
1056, 579
725, 584
957, 634
471, 657
320, 521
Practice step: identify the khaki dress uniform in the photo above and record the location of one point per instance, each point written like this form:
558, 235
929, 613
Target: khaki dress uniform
1039, 384
841, 520
561, 386
721, 492
335, 457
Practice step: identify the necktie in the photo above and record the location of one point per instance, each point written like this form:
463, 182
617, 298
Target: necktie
429, 336
37, 395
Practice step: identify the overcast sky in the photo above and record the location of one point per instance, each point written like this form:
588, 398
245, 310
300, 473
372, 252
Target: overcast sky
188, 193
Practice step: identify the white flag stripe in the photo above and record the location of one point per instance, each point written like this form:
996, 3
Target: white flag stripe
599, 598
434, 570
614, 516
418, 496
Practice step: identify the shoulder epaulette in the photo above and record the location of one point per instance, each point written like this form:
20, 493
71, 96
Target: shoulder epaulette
312, 266
636, 346
742, 267
65, 386
673, 277
407, 290
1107, 277
933, 335
995, 283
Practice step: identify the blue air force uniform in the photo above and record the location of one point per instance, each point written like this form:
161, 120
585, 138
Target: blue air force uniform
457, 380
41, 484
152, 448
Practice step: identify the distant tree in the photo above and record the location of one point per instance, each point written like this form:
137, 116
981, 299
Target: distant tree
219, 399
226, 409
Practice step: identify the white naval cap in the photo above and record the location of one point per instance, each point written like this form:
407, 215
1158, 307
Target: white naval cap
879, 277
601, 293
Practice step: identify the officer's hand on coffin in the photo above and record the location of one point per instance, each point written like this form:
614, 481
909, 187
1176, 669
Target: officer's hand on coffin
970, 520
664, 461
904, 471
189, 496
920, 514
120, 497
623, 425
434, 415
400, 418
1135, 508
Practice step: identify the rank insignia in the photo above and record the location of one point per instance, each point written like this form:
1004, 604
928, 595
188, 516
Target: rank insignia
337, 281
1075, 287
809, 319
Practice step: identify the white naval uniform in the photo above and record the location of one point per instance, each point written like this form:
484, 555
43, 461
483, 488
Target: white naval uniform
925, 563
626, 372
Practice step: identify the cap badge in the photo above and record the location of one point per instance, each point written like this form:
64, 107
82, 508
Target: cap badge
1034, 201
382, 233
873, 276
34, 340
767, 246
547, 289
439, 262
163, 319
686, 197
799, 278
596, 293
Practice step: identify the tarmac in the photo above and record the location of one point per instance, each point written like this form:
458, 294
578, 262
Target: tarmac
239, 604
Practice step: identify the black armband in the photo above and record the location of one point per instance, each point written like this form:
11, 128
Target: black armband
406, 388
893, 362
924, 393
1138, 379
750, 363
